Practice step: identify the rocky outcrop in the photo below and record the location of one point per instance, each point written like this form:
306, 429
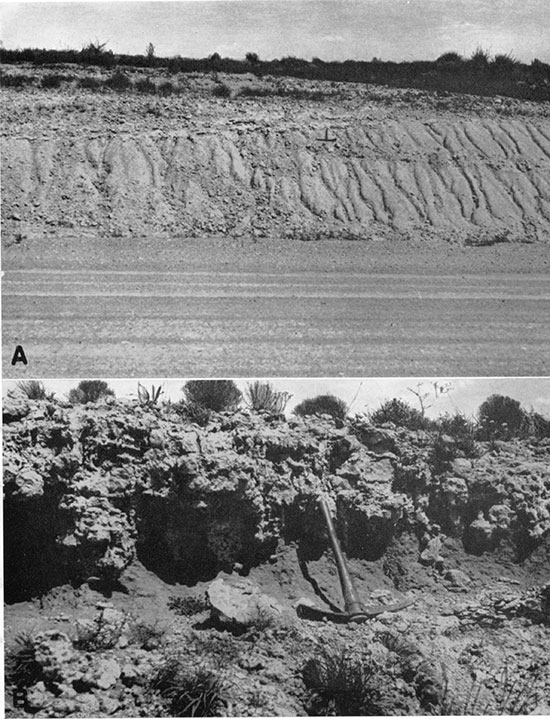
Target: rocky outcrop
90, 488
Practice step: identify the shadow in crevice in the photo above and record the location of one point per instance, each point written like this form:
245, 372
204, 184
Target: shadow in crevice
313, 582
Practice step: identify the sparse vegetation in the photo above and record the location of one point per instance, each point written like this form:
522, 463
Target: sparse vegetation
322, 404
34, 389
147, 398
21, 667
218, 395
189, 692
147, 635
503, 75
146, 86
118, 81
53, 81
90, 83
262, 396
99, 634
221, 89
90, 390
399, 413
341, 683
188, 606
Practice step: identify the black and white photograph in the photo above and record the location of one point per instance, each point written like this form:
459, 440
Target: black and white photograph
275, 358
284, 547
276, 188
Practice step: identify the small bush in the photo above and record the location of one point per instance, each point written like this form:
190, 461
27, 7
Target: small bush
341, 684
501, 417
322, 404
90, 390
218, 395
118, 81
539, 426
146, 635
263, 397
146, 85
188, 606
450, 58
189, 692
33, 389
504, 62
90, 83
99, 634
221, 90
401, 414
462, 430
52, 81
480, 58
21, 667
15, 80
166, 88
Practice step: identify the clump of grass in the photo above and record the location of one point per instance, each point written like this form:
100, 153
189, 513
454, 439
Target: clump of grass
341, 684
508, 691
21, 667
189, 692
188, 606
34, 389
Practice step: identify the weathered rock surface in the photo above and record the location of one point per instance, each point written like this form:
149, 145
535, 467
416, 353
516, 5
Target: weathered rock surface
89, 489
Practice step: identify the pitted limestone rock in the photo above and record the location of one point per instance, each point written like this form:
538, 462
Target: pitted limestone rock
240, 603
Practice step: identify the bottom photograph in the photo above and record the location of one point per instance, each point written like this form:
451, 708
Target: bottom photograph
276, 547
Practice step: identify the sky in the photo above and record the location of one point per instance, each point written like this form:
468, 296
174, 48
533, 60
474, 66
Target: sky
459, 394
328, 29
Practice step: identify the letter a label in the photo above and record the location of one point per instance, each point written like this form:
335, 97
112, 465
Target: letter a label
19, 356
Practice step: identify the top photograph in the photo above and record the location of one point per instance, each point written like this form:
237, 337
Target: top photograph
275, 188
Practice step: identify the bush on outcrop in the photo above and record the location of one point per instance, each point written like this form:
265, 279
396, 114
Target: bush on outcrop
322, 404
90, 390
501, 417
218, 395
399, 413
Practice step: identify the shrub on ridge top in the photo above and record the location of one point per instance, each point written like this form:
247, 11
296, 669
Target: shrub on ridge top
90, 390
322, 404
401, 414
218, 395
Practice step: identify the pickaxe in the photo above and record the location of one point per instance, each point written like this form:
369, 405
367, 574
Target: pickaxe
355, 610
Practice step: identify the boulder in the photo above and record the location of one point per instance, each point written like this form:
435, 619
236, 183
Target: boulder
15, 406
240, 604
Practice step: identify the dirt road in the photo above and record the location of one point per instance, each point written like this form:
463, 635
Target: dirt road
90, 322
